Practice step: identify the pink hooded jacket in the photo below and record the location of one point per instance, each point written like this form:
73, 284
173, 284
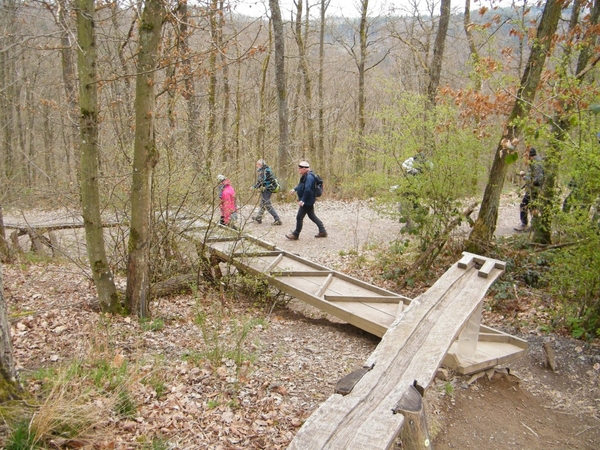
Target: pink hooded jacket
227, 203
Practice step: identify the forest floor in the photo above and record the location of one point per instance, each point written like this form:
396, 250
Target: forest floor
292, 355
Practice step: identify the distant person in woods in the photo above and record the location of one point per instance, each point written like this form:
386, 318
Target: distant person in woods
226, 201
267, 184
534, 179
413, 166
306, 202
417, 164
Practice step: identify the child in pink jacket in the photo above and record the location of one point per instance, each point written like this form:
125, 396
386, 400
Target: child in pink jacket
227, 201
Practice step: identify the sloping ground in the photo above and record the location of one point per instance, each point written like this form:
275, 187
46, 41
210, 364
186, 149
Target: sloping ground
294, 357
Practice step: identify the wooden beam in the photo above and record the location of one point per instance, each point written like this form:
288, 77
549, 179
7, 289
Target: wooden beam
325, 285
274, 263
374, 299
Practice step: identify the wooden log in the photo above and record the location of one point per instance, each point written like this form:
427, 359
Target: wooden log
414, 434
44, 228
175, 285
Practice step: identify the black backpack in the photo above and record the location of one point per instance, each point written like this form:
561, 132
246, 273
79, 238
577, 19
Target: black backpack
318, 185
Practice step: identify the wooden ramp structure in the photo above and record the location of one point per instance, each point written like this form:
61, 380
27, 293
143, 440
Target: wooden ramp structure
381, 401
440, 327
369, 307
366, 306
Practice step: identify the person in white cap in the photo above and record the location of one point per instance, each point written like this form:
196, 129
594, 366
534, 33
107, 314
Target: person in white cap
306, 202
226, 201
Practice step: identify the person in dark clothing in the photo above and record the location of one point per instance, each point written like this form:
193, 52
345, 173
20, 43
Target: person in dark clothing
534, 179
306, 202
267, 184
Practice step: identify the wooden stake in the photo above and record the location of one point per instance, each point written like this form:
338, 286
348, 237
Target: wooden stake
414, 434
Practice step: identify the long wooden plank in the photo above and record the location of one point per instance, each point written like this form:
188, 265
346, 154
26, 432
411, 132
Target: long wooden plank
412, 349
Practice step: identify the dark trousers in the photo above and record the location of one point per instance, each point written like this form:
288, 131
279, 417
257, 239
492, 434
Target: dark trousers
525, 205
265, 203
310, 212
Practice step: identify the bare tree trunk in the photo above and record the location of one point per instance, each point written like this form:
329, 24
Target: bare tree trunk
9, 386
435, 68
4, 248
69, 80
474, 74
485, 225
90, 195
7, 95
303, 64
225, 149
48, 134
144, 160
321, 139
189, 92
212, 87
279, 39
362, 97
123, 110
261, 131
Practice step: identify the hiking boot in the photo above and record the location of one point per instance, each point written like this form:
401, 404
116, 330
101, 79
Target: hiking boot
277, 222
522, 227
321, 234
257, 219
291, 237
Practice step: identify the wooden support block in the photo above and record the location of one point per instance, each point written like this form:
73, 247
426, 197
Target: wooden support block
414, 434
345, 385
550, 357
466, 261
489, 265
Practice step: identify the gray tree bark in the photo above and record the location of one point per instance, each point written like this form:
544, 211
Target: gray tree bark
9, 386
362, 97
304, 70
144, 160
321, 160
279, 39
435, 68
69, 81
90, 195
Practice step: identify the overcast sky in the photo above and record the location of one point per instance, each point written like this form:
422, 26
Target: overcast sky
347, 8
350, 8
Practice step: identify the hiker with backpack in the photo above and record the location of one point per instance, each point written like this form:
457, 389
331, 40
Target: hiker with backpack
534, 179
268, 184
307, 192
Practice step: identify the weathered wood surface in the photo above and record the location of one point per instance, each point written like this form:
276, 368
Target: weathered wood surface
368, 307
412, 350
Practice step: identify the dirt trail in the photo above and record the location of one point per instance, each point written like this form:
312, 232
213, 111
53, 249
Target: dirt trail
304, 352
